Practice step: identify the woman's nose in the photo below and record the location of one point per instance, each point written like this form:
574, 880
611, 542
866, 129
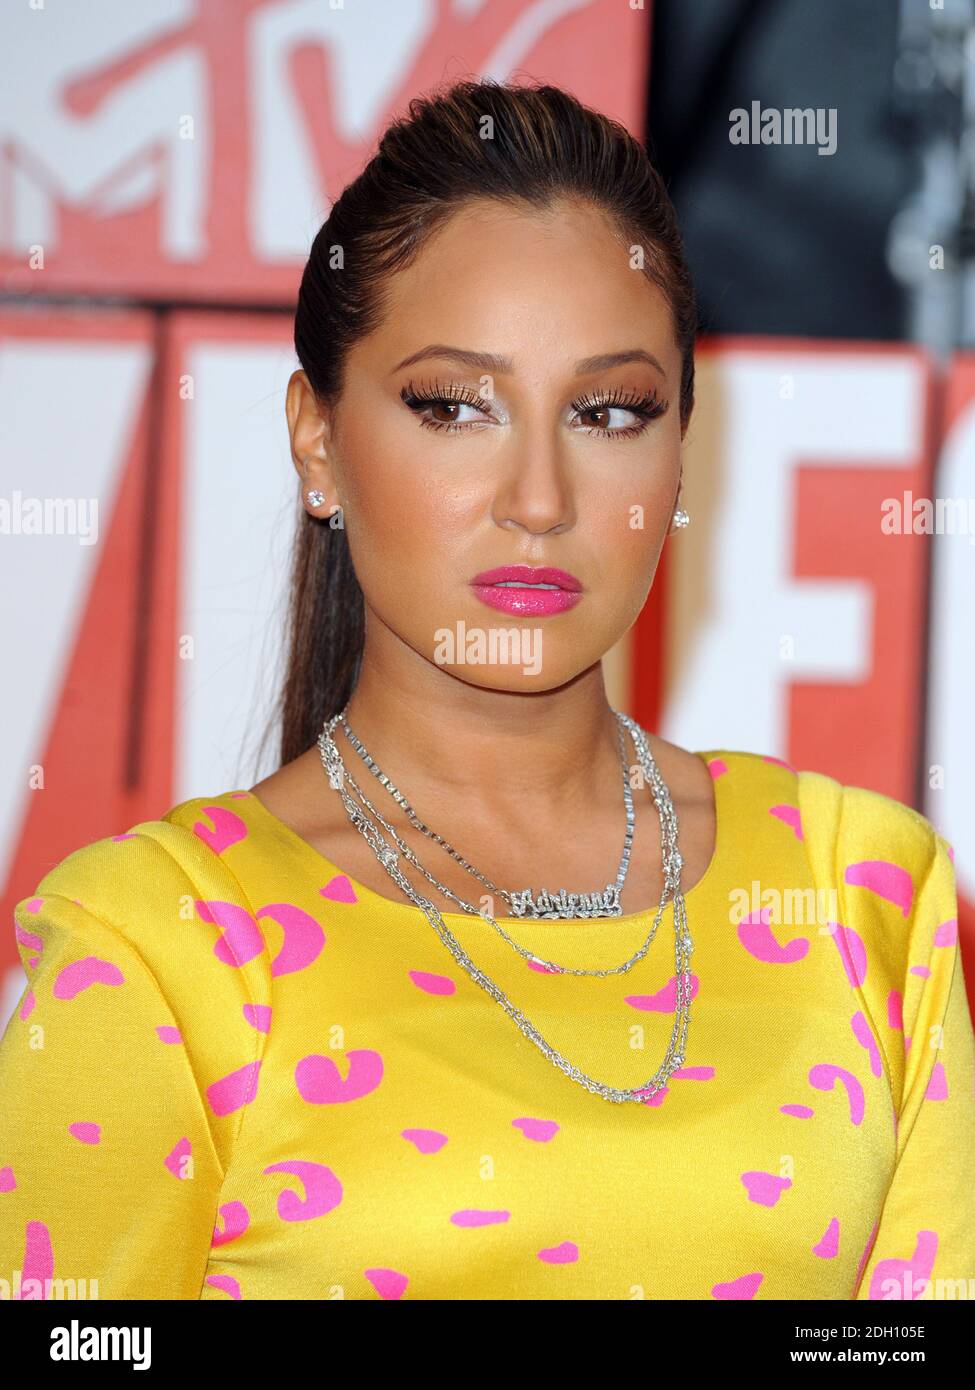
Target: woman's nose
534, 488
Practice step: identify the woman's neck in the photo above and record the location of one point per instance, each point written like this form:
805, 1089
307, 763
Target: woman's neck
505, 753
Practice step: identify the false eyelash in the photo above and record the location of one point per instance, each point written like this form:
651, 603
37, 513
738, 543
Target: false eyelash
648, 406
420, 398
649, 401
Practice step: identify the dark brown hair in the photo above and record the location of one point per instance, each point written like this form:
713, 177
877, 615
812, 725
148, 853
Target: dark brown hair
523, 145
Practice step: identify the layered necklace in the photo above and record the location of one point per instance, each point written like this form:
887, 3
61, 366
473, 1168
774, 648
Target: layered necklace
603, 903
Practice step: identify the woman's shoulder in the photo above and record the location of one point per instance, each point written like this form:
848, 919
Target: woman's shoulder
858, 827
158, 897
182, 848
890, 874
146, 936
867, 844
834, 810
884, 882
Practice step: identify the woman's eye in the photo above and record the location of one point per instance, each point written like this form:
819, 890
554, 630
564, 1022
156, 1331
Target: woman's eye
610, 418
437, 411
451, 413
619, 419
443, 408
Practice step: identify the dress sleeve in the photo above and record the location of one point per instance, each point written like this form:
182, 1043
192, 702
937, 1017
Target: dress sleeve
123, 1070
926, 1231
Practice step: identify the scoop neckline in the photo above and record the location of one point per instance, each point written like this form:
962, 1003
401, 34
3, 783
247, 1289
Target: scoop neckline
364, 893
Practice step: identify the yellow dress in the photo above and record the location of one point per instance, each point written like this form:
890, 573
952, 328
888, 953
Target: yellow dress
236, 1073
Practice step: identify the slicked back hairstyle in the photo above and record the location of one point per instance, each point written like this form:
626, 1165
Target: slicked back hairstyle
526, 146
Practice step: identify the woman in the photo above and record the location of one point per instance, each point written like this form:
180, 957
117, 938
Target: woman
405, 1035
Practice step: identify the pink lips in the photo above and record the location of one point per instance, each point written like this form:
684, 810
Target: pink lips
521, 599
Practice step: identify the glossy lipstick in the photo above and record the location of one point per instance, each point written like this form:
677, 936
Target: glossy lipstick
513, 589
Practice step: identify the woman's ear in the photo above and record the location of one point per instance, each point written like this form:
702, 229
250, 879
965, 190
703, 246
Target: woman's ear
679, 518
309, 427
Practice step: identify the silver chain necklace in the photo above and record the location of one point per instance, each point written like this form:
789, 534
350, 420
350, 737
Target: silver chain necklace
683, 946
571, 906
532, 956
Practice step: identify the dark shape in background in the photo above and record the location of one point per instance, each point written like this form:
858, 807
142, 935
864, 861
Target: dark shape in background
783, 240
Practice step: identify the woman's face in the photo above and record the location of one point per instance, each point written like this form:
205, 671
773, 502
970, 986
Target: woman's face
535, 454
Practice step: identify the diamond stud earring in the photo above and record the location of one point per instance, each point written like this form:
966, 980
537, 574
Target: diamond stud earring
315, 497
681, 518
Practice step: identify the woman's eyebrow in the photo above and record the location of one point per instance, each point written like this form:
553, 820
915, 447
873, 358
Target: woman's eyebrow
604, 360
492, 362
